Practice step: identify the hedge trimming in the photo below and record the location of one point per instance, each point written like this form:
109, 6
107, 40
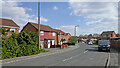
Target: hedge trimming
22, 44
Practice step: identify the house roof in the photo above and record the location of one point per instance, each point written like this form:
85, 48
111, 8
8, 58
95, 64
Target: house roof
42, 27
59, 31
8, 22
107, 32
67, 33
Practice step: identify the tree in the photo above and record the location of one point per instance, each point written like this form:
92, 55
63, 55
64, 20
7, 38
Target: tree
72, 40
90, 35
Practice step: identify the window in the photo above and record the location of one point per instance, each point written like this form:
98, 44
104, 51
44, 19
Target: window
12, 30
42, 32
104, 35
53, 33
60, 35
109, 35
65, 35
42, 43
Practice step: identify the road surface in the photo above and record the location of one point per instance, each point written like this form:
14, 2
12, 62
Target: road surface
85, 55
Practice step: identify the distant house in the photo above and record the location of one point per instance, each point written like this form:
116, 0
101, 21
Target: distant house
62, 36
108, 34
9, 24
96, 35
67, 36
48, 36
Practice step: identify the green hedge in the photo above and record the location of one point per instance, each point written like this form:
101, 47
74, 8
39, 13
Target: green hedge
22, 44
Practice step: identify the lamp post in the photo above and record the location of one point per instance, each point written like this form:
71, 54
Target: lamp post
39, 24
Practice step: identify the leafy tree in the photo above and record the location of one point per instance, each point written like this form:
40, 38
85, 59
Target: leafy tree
72, 40
90, 35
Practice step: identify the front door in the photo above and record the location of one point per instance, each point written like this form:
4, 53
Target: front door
48, 43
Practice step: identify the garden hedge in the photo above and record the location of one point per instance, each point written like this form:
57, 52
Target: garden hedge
22, 44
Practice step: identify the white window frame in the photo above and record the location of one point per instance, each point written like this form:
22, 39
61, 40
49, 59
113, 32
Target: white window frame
53, 33
41, 33
12, 29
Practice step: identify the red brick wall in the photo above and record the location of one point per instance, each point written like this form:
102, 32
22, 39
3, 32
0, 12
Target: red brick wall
46, 35
29, 28
49, 35
9, 33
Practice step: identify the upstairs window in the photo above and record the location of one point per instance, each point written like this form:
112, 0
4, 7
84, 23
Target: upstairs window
42, 33
109, 35
104, 35
53, 33
13, 30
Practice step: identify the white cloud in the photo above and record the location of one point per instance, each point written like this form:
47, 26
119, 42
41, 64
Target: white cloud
94, 0
55, 8
18, 14
29, 9
100, 16
43, 19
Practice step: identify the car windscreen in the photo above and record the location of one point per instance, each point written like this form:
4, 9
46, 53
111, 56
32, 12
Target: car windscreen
103, 42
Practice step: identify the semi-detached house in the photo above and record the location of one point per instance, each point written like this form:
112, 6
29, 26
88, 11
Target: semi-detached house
9, 24
48, 36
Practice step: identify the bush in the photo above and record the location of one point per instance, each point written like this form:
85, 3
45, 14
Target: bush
22, 44
72, 40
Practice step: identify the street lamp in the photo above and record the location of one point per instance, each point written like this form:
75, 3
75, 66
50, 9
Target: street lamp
39, 24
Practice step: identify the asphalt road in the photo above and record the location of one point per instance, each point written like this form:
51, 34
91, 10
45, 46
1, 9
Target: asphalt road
85, 55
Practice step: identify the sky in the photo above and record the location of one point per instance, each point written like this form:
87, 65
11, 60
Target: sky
92, 17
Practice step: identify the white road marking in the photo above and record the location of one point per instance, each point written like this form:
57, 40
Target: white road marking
67, 59
86, 51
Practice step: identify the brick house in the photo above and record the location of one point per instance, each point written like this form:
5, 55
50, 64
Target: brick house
48, 36
108, 34
67, 36
9, 24
62, 37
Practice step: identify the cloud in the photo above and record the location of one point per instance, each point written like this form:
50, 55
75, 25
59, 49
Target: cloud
94, 0
55, 8
11, 10
43, 19
99, 16
29, 9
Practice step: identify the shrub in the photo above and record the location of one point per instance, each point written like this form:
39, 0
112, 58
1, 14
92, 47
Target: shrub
22, 44
72, 40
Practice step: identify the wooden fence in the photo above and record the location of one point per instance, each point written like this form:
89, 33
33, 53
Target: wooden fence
115, 44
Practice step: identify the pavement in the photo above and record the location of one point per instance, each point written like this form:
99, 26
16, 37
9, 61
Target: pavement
79, 56
114, 58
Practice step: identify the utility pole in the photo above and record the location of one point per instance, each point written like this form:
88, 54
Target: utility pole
75, 30
39, 24
75, 33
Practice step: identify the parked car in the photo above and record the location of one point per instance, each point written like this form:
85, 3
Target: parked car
87, 41
104, 45
90, 43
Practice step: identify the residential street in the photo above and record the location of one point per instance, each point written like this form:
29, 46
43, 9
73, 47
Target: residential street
85, 55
